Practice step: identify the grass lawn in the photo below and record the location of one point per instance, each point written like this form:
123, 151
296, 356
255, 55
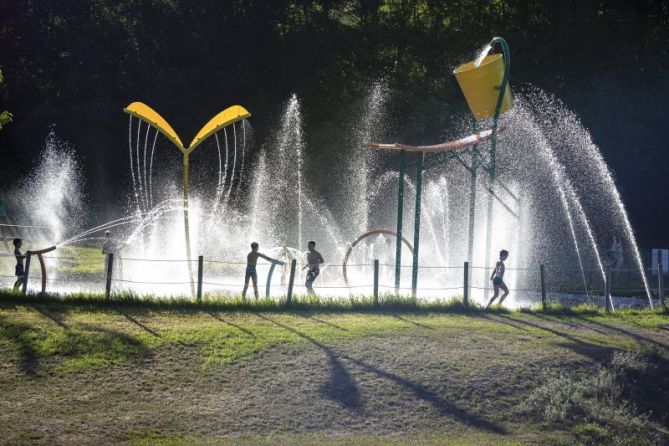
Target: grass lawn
82, 371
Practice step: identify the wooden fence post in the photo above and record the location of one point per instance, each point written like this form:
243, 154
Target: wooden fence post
110, 269
200, 267
291, 281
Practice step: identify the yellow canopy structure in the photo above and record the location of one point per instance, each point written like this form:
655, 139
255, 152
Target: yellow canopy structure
223, 119
228, 116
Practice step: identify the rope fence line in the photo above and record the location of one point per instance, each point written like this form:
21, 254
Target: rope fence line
325, 282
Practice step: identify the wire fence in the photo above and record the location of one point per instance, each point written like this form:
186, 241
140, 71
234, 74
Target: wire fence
199, 276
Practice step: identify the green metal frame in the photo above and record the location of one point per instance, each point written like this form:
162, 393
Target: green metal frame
438, 159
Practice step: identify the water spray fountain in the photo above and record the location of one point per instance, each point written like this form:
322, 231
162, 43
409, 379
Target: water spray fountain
225, 118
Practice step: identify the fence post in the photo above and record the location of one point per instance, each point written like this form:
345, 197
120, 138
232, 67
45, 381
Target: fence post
660, 278
26, 273
291, 281
110, 269
200, 268
376, 282
465, 290
542, 274
607, 290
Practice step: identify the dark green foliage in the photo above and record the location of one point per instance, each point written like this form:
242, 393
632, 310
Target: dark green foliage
77, 63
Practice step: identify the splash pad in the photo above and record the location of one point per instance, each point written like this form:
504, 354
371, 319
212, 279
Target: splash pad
552, 201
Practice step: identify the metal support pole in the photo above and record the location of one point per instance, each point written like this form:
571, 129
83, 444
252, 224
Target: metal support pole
291, 281
660, 277
186, 223
400, 210
465, 290
542, 274
110, 269
416, 226
472, 197
493, 142
26, 273
472, 213
200, 271
488, 241
376, 282
607, 292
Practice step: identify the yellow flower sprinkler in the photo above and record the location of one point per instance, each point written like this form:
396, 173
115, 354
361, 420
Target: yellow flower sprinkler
225, 118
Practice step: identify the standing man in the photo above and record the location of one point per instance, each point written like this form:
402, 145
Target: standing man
314, 260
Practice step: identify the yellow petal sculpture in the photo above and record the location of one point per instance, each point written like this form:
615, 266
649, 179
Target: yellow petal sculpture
228, 116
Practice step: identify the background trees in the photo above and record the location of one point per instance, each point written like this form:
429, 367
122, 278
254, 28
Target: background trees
76, 63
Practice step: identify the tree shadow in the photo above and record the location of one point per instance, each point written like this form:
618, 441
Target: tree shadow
232, 324
341, 386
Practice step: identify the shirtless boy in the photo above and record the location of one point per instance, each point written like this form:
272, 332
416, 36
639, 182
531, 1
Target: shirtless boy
251, 262
497, 278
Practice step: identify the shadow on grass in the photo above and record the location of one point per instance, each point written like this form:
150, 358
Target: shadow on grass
637, 337
595, 352
95, 345
49, 314
232, 324
341, 386
417, 324
310, 316
139, 324
342, 382
24, 338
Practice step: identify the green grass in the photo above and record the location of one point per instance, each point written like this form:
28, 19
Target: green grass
143, 370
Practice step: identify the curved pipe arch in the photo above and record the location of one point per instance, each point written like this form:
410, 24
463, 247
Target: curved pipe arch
364, 236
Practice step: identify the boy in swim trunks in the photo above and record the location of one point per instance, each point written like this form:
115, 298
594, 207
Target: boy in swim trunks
18, 271
251, 262
314, 260
497, 278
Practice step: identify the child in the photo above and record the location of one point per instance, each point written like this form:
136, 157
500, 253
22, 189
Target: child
251, 261
497, 278
314, 260
18, 271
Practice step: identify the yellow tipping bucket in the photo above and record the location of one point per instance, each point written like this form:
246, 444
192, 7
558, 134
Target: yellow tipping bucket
481, 84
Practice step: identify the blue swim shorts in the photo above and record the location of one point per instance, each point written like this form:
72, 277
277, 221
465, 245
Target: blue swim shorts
497, 281
251, 269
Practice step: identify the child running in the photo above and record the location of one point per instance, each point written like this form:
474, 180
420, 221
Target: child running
497, 278
314, 260
251, 262
18, 271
